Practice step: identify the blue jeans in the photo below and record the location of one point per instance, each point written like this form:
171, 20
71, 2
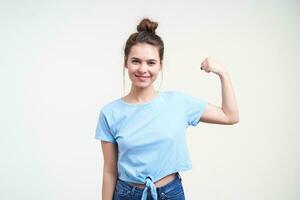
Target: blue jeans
170, 191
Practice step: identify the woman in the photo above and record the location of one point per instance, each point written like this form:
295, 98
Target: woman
143, 133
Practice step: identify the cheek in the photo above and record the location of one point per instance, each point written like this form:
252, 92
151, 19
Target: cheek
131, 69
154, 71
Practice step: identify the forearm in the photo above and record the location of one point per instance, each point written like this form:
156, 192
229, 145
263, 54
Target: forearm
108, 185
229, 104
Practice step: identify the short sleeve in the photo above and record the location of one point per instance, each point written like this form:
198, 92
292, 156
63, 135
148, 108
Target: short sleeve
103, 131
194, 108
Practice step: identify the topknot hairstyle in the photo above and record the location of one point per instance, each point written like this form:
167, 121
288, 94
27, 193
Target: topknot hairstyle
145, 34
147, 25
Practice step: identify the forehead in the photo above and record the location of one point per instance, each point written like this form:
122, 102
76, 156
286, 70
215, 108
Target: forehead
144, 51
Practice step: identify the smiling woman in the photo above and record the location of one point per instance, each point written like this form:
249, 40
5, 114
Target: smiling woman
143, 65
143, 157
143, 56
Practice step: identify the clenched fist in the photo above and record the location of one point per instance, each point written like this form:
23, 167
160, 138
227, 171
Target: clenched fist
211, 65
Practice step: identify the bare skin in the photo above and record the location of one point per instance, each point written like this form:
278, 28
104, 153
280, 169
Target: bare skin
143, 61
228, 113
143, 66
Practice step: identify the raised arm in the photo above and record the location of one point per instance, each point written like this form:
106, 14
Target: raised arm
228, 113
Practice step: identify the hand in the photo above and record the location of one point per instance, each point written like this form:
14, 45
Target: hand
211, 65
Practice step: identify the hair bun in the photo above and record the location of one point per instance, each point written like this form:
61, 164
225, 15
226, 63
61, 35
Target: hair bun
147, 25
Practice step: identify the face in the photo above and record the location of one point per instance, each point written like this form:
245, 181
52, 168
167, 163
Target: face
143, 64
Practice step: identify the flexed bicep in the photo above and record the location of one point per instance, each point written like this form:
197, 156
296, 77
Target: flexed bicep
215, 115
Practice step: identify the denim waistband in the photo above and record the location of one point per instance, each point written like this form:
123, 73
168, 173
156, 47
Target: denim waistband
148, 185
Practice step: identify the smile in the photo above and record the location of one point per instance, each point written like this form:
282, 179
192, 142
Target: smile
142, 76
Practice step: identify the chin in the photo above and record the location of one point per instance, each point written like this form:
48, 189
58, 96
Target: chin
141, 85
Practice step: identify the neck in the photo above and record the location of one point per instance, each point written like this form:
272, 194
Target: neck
140, 95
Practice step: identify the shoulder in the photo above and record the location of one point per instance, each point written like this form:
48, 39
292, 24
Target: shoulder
187, 99
179, 98
109, 107
176, 94
173, 93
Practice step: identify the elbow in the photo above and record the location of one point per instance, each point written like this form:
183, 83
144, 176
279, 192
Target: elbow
233, 120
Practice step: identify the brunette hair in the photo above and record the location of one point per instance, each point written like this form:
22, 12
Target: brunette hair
145, 34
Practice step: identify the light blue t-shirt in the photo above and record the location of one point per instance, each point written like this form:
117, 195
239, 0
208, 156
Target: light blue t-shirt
151, 136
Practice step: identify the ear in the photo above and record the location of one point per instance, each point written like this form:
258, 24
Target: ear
124, 64
161, 65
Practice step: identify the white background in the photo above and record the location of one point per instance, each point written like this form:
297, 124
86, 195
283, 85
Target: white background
60, 61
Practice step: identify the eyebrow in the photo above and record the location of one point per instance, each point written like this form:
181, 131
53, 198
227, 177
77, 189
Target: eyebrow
135, 58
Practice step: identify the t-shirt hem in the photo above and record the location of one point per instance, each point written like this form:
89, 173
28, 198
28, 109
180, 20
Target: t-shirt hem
104, 139
200, 113
177, 169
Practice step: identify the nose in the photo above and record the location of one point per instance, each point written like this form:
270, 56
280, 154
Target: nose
143, 67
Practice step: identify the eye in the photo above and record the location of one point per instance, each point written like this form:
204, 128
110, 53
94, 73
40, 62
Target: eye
135, 61
151, 63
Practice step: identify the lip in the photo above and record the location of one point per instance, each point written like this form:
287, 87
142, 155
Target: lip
142, 76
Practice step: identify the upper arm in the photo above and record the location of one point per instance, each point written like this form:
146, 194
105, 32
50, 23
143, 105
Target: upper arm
215, 115
110, 156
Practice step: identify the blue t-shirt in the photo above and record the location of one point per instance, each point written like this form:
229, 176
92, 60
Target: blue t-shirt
151, 136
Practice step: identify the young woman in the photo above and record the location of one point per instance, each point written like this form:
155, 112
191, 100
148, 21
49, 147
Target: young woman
143, 133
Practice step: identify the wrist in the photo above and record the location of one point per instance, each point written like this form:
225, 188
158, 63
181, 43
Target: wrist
223, 74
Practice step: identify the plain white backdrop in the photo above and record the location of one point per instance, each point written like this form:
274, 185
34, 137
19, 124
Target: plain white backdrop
60, 61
